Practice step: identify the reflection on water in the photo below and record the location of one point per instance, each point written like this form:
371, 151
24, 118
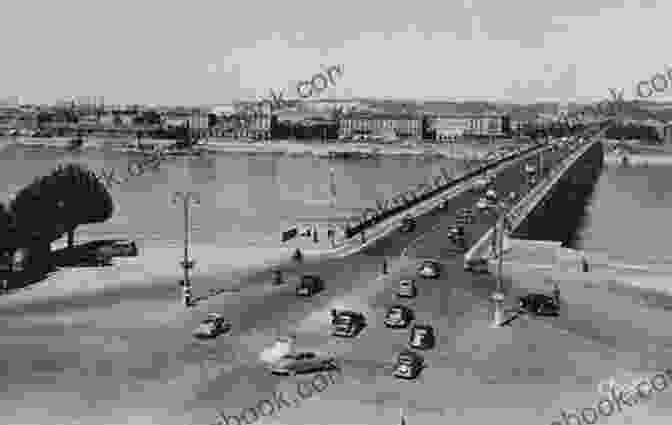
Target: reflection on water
630, 213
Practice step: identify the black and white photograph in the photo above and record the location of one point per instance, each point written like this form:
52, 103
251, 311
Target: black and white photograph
356, 213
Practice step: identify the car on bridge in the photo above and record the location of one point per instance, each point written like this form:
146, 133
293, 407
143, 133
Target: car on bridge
408, 224
302, 362
482, 204
407, 289
213, 326
456, 233
465, 216
347, 323
429, 269
482, 183
409, 365
398, 316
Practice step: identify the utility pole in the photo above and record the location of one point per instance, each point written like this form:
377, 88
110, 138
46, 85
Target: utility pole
188, 199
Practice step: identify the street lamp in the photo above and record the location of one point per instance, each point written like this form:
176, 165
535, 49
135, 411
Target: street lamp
498, 295
188, 199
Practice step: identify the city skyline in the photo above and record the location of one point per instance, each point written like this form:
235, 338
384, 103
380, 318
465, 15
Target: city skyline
569, 51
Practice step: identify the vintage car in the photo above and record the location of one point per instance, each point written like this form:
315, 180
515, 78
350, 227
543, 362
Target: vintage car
491, 196
398, 316
409, 365
302, 362
422, 337
429, 269
539, 304
407, 289
309, 285
465, 216
408, 224
347, 323
213, 326
456, 233
482, 204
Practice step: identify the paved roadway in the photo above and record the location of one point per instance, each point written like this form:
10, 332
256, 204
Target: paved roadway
104, 367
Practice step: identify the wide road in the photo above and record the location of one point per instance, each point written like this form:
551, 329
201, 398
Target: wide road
107, 368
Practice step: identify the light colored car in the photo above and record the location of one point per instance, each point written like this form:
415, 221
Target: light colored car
302, 362
482, 204
429, 269
213, 326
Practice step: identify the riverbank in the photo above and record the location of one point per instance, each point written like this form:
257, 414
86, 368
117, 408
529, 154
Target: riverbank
294, 148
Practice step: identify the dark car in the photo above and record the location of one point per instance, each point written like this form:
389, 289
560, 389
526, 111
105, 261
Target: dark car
409, 365
213, 326
309, 285
429, 269
422, 337
407, 224
539, 304
456, 233
465, 216
347, 323
398, 316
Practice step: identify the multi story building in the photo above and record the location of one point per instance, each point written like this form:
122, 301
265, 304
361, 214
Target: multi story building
380, 124
448, 126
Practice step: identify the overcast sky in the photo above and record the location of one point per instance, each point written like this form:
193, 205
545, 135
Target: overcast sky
202, 52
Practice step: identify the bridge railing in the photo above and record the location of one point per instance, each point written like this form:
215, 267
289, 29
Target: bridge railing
478, 253
363, 225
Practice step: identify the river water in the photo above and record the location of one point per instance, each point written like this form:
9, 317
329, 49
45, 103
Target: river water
247, 200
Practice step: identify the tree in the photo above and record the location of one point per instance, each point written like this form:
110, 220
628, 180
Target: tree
55, 204
6, 234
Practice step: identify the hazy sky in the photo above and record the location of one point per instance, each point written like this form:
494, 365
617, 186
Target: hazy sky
198, 51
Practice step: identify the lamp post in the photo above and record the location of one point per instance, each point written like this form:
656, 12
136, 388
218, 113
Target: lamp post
498, 295
188, 199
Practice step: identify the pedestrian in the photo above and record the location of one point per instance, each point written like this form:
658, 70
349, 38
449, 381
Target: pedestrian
297, 256
584, 264
556, 293
331, 236
384, 265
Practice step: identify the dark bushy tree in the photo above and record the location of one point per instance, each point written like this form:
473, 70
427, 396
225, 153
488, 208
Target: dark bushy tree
6, 233
56, 204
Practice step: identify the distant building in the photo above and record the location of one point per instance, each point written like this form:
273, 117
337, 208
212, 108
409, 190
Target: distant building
380, 124
448, 126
